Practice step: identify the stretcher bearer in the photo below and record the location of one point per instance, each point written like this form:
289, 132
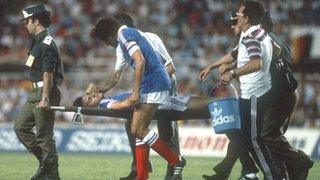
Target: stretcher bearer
151, 87
45, 69
253, 69
285, 98
235, 147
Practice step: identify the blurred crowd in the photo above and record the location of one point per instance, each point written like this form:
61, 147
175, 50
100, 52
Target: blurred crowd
194, 31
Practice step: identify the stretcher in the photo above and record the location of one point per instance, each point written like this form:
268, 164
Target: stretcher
161, 114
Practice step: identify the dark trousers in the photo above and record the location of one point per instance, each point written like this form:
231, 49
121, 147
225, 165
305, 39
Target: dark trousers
253, 112
43, 120
235, 150
276, 116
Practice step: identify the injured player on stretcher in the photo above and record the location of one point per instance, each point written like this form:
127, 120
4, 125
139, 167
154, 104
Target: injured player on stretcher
121, 101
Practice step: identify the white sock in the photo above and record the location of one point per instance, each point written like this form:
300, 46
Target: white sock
150, 138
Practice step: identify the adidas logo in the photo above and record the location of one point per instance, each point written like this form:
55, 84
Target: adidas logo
216, 112
218, 119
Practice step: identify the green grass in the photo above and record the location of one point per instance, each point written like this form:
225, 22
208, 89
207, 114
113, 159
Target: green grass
22, 166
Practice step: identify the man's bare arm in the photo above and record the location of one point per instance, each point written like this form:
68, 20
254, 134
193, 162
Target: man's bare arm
225, 67
224, 60
139, 70
47, 84
252, 66
121, 104
171, 68
112, 81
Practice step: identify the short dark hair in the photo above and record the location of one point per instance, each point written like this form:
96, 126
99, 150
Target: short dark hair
78, 101
124, 18
43, 17
267, 22
254, 10
105, 27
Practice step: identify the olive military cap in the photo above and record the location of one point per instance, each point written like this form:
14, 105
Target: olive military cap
33, 10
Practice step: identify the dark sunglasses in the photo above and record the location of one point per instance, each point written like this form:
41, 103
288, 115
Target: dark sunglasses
232, 18
233, 22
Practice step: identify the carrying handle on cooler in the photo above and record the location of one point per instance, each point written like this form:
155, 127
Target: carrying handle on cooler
218, 84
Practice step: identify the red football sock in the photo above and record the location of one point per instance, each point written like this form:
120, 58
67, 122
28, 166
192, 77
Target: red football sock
142, 161
164, 151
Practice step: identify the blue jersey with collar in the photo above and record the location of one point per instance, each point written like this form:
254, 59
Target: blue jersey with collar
155, 77
110, 99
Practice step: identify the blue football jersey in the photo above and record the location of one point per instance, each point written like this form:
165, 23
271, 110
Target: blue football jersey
155, 77
110, 99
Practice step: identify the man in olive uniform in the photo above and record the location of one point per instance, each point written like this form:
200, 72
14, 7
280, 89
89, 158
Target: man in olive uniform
45, 69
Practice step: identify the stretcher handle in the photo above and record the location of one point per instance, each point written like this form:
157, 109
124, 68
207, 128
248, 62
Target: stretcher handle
77, 118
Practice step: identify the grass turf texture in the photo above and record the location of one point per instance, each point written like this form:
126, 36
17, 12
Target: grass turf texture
111, 167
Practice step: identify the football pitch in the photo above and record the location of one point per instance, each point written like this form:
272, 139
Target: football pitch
18, 166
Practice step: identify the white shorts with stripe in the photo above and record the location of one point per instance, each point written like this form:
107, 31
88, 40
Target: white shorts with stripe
159, 97
178, 103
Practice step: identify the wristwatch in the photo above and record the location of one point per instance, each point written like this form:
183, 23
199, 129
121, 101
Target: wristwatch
233, 73
45, 98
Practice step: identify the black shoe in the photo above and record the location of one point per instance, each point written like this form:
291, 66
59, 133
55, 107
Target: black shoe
47, 171
215, 177
49, 177
170, 171
52, 174
45, 176
39, 155
250, 176
303, 171
150, 166
41, 171
177, 169
132, 176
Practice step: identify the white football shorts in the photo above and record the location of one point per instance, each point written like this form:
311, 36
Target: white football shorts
159, 97
178, 103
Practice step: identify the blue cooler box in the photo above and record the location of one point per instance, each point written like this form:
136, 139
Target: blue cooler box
225, 115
